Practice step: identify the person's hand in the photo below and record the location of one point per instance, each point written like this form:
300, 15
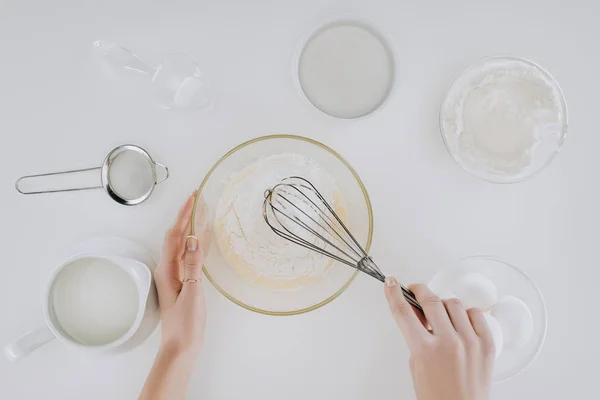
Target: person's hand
452, 361
179, 285
182, 307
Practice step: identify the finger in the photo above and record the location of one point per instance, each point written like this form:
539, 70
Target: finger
479, 324
193, 294
418, 312
201, 216
202, 227
183, 217
182, 248
192, 281
173, 246
404, 314
458, 317
169, 273
434, 310
192, 264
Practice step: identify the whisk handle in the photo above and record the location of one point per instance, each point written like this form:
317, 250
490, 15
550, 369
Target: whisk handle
368, 266
410, 297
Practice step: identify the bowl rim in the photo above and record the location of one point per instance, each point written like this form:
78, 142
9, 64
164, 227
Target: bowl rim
563, 102
358, 180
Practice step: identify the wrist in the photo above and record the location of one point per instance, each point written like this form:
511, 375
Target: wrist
175, 352
170, 374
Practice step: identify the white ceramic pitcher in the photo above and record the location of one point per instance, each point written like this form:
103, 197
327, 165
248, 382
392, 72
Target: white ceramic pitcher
145, 322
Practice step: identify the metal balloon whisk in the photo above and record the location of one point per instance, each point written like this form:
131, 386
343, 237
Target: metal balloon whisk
296, 211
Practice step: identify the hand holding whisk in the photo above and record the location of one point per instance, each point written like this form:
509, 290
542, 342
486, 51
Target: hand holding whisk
296, 211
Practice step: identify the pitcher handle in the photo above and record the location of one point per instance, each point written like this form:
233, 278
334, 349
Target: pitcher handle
27, 343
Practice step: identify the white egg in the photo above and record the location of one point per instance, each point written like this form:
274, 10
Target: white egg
476, 291
442, 289
496, 330
447, 294
516, 320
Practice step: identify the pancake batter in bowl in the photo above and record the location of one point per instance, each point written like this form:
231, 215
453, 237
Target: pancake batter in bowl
247, 243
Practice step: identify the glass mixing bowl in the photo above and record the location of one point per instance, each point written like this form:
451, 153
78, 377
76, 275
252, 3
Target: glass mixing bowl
541, 153
319, 292
509, 280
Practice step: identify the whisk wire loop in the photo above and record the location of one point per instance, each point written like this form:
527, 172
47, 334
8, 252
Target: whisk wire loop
296, 211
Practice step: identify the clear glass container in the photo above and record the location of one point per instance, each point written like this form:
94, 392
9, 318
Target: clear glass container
177, 81
509, 280
538, 154
319, 292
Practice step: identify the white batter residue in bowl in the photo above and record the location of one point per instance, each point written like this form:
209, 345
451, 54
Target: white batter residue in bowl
504, 119
247, 243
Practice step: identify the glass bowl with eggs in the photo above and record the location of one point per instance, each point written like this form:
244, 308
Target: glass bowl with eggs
246, 261
514, 308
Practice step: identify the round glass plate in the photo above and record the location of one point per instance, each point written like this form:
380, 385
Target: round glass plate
319, 292
475, 158
509, 280
346, 67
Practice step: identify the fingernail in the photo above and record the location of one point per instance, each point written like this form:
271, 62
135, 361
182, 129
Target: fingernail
191, 243
193, 193
390, 281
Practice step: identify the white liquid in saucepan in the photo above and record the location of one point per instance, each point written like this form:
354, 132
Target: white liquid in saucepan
94, 301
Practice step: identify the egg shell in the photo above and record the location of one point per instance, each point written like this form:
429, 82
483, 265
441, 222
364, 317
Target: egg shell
516, 320
448, 294
476, 291
496, 330
443, 291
